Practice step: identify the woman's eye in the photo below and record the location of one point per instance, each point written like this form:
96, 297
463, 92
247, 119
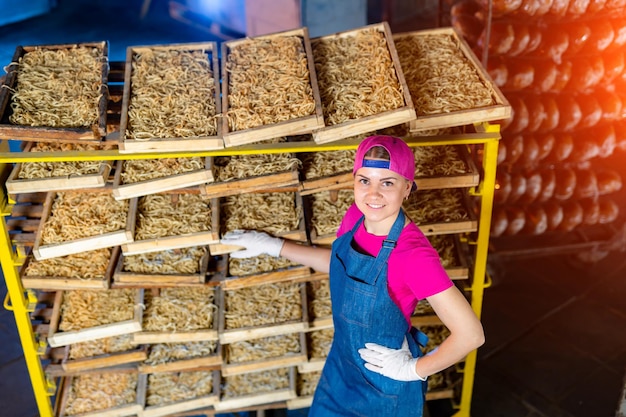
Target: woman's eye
388, 183
363, 181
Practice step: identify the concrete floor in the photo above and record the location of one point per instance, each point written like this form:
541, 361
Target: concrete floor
555, 327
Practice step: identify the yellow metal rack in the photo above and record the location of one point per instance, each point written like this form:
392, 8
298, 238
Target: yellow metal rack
21, 302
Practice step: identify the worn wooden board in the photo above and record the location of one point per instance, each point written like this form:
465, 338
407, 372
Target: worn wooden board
105, 240
500, 109
16, 185
123, 278
398, 116
132, 409
297, 126
209, 362
197, 143
65, 283
59, 338
284, 361
254, 332
71, 366
203, 238
263, 183
183, 405
9, 131
156, 185
291, 274
226, 404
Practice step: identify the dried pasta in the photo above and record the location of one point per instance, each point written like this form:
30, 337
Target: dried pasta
257, 265
58, 87
162, 215
307, 382
262, 304
85, 265
76, 215
138, 170
32, 170
83, 309
169, 387
356, 76
328, 211
273, 213
103, 346
319, 343
171, 352
318, 293
436, 161
255, 383
431, 206
439, 77
179, 309
268, 82
263, 348
173, 261
172, 95
101, 391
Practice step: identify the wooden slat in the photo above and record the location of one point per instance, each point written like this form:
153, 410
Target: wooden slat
263, 183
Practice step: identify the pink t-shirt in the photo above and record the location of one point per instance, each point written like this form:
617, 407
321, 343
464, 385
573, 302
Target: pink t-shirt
414, 269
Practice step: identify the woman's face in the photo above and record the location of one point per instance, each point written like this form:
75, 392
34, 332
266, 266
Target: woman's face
378, 193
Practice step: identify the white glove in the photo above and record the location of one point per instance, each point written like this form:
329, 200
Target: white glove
398, 364
255, 243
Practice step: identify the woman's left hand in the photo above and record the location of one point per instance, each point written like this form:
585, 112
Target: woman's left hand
398, 364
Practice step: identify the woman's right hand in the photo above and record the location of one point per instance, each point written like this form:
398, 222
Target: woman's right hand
254, 243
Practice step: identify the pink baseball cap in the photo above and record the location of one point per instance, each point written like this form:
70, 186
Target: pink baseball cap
402, 159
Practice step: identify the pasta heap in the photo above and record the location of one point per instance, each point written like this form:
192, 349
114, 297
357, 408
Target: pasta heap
104, 346
318, 293
171, 352
431, 206
83, 309
262, 304
273, 213
137, 170
257, 265
444, 245
255, 383
31, 170
85, 265
169, 387
264, 348
356, 76
307, 382
253, 165
95, 392
437, 161
319, 342
268, 82
178, 309
173, 261
439, 77
327, 214
58, 87
76, 215
162, 215
172, 95
322, 164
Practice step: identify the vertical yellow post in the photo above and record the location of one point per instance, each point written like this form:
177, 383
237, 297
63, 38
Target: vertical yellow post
19, 304
487, 188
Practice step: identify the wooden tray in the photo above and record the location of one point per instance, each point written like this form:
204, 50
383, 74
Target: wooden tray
209, 362
132, 409
469, 178
459, 269
254, 332
180, 336
9, 131
202, 238
59, 338
283, 361
262, 183
304, 400
299, 234
445, 226
197, 143
500, 108
15, 185
66, 283
286, 128
122, 278
250, 400
105, 240
315, 322
72, 366
403, 114
156, 185
179, 406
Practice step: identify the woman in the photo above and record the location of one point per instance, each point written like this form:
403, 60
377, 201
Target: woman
380, 266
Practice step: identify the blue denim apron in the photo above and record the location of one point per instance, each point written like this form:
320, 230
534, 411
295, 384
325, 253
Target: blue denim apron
364, 312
